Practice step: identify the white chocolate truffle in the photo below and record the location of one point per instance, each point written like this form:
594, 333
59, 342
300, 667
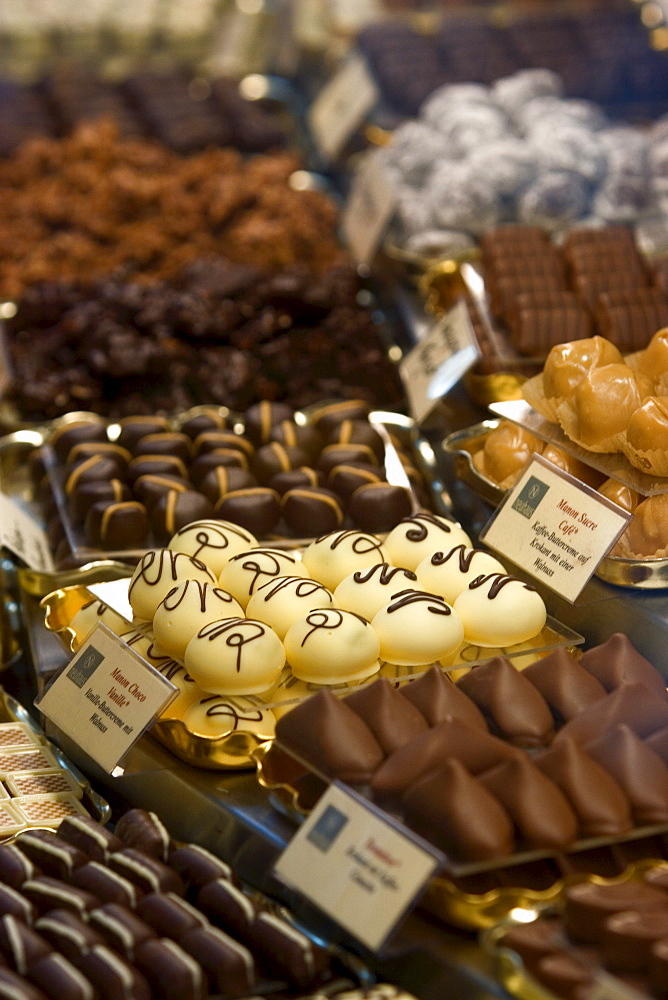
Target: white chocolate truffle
248, 571
188, 691
417, 628
142, 639
282, 601
235, 656
212, 542
88, 616
186, 608
156, 573
366, 591
328, 646
421, 535
332, 557
500, 610
448, 573
215, 715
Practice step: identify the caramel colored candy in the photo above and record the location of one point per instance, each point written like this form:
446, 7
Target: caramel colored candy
587, 905
604, 401
647, 532
568, 363
475, 749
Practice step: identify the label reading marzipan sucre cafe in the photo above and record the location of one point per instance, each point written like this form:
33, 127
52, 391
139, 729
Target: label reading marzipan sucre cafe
555, 528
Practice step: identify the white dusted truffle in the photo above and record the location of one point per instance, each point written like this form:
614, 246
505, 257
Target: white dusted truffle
414, 150
507, 165
553, 199
461, 200
514, 91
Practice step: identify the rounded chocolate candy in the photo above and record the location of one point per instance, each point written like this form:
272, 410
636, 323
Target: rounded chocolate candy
257, 509
274, 457
292, 479
66, 435
311, 511
227, 458
304, 436
122, 525
343, 454
346, 478
379, 507
175, 509
215, 440
358, 432
132, 429
327, 418
149, 487
165, 443
156, 465
261, 417
95, 491
224, 479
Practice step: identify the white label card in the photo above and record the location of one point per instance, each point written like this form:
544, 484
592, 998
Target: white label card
356, 866
367, 212
22, 535
105, 698
437, 363
342, 105
555, 528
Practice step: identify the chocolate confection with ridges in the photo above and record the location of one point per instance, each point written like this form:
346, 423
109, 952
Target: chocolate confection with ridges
332, 737
536, 805
454, 811
513, 707
393, 720
602, 808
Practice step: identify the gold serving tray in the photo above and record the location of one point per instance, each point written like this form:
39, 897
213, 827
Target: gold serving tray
294, 787
508, 964
641, 574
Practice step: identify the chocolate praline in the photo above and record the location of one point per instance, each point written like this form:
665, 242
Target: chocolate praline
225, 479
105, 449
304, 436
95, 467
93, 491
345, 479
358, 432
274, 457
257, 508
378, 507
122, 525
311, 512
213, 440
155, 465
206, 420
342, 454
292, 479
327, 417
65, 436
174, 509
165, 443
136, 427
149, 487
261, 417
